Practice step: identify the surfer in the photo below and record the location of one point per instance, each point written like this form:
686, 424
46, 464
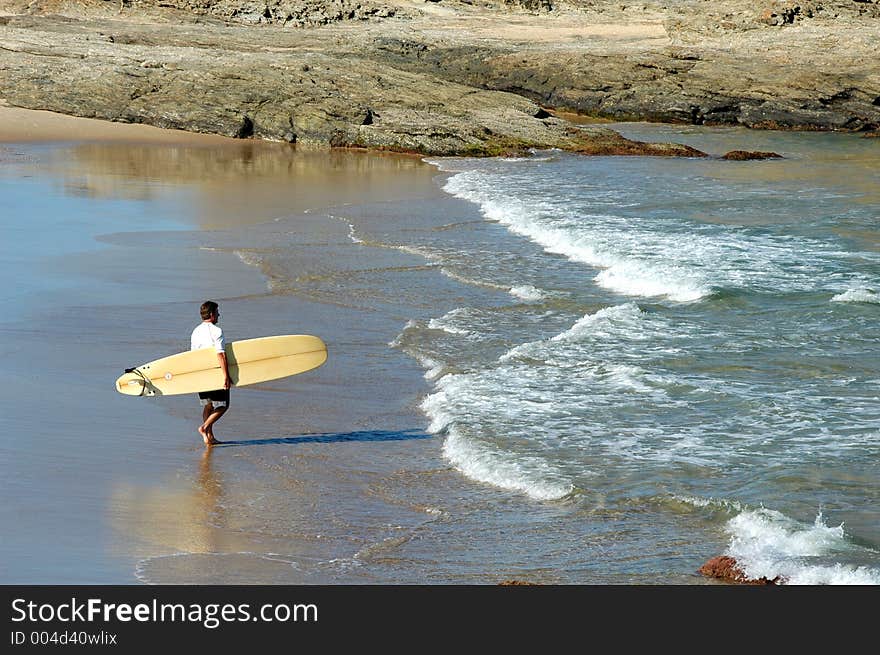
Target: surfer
208, 334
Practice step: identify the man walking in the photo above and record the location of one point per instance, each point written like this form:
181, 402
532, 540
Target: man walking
208, 334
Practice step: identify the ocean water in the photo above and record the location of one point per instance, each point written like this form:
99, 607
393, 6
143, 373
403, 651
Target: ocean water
668, 351
553, 369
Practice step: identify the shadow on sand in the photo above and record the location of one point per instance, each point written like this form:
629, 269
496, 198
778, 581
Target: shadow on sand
338, 437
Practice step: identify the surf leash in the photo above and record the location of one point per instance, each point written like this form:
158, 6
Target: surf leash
137, 372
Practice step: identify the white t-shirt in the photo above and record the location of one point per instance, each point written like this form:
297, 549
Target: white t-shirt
207, 335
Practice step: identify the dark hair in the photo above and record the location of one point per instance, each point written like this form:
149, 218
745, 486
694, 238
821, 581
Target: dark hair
208, 307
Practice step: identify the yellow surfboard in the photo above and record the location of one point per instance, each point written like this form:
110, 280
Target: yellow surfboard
250, 361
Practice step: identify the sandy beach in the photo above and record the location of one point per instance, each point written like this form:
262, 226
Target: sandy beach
33, 126
113, 489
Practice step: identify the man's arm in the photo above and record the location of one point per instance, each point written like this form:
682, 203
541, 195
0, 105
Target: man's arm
227, 382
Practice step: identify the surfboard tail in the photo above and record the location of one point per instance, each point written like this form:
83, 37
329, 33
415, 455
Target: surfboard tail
134, 383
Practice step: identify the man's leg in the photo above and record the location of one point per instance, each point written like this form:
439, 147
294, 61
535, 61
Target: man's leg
213, 417
209, 417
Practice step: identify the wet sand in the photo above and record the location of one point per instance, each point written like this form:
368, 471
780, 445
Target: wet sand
105, 488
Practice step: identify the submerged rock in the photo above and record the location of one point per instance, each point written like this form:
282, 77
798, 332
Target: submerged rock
517, 583
745, 155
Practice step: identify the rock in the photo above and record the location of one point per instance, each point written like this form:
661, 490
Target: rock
470, 80
745, 155
238, 85
607, 142
517, 583
726, 568
786, 13
531, 5
686, 73
293, 13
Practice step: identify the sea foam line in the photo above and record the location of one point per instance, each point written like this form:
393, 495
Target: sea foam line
540, 223
533, 477
525, 292
479, 460
680, 260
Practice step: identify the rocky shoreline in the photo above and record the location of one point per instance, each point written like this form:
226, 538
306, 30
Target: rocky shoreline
445, 77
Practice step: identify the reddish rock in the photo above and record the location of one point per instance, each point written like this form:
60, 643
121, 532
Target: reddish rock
770, 17
517, 583
728, 569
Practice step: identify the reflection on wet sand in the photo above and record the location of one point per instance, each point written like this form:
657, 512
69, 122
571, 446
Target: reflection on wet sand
220, 523
234, 184
176, 516
193, 531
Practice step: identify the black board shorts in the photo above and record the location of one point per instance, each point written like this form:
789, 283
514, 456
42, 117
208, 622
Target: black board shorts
217, 397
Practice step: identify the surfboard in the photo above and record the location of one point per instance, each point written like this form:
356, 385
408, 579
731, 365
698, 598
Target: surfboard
250, 361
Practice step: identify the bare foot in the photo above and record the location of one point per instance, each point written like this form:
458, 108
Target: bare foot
207, 437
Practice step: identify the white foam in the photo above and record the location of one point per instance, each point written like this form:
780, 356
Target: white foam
250, 258
643, 256
458, 277
397, 341
447, 324
838, 574
351, 235
861, 294
431, 257
528, 293
530, 476
583, 346
609, 321
768, 544
633, 278
343, 564
465, 400
580, 242
487, 414
473, 324
433, 368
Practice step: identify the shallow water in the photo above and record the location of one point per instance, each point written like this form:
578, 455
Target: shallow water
689, 344
557, 369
